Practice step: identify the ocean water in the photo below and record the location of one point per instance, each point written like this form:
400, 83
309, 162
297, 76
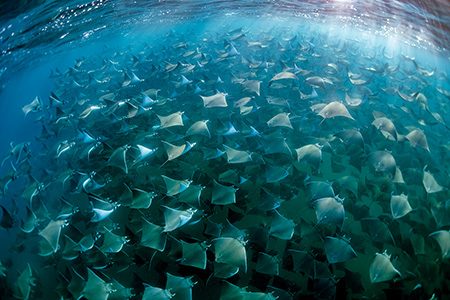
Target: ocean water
224, 150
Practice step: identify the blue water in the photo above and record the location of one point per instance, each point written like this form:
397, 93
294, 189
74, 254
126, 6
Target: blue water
40, 36
41, 39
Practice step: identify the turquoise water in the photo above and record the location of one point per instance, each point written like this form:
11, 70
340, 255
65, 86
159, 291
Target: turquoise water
225, 149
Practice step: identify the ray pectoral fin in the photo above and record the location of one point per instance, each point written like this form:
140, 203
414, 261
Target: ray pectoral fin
141, 199
101, 214
181, 287
95, 288
311, 154
153, 236
381, 269
235, 156
35, 105
275, 174
329, 211
24, 284
417, 138
442, 237
338, 250
430, 184
217, 100
118, 159
112, 243
281, 227
223, 195
194, 255
52, 232
155, 293
230, 251
334, 109
280, 120
174, 151
283, 76
199, 128
145, 153
29, 224
175, 218
224, 271
400, 206
191, 195
384, 162
171, 120
175, 187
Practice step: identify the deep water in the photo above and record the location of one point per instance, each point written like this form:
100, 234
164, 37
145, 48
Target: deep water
280, 195
39, 36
